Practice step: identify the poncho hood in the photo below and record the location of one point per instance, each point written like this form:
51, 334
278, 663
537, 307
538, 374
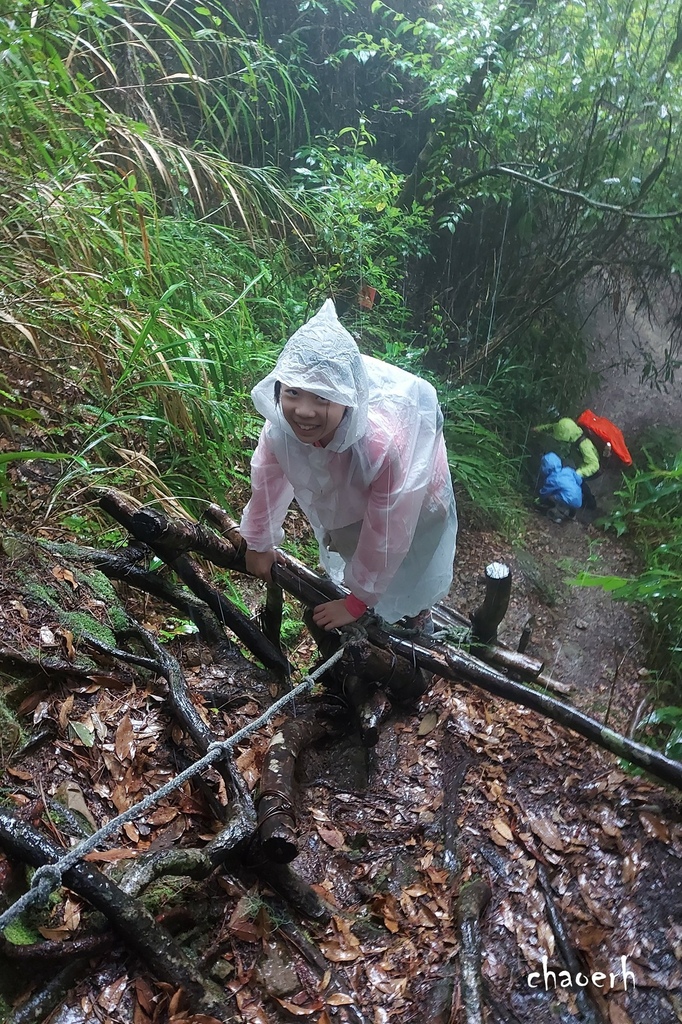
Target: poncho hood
321, 357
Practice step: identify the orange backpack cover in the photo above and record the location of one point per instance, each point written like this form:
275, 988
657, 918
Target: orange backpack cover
605, 430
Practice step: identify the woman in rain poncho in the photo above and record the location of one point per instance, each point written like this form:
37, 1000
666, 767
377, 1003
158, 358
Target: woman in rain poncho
359, 444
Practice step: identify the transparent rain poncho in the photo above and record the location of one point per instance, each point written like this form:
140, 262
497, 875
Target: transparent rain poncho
379, 496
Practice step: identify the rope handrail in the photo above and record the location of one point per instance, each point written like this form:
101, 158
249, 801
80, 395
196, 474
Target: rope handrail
48, 877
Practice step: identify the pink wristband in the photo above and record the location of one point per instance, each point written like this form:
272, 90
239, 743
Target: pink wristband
355, 606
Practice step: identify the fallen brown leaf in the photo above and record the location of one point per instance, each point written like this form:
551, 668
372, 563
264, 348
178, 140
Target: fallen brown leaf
299, 1011
617, 1014
120, 853
66, 576
501, 826
548, 834
654, 827
428, 723
124, 742
331, 836
340, 999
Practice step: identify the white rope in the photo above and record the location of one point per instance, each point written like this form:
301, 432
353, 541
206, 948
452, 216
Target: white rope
48, 877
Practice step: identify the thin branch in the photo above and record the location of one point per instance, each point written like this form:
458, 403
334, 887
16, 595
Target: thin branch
623, 211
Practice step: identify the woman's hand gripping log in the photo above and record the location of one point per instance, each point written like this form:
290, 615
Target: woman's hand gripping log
330, 615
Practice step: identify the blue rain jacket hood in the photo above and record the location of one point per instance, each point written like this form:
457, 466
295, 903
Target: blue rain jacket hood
560, 483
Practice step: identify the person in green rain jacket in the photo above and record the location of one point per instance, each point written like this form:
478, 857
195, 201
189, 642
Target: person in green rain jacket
576, 444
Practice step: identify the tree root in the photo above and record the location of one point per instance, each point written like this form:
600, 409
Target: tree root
590, 1011
38, 1007
300, 896
54, 952
165, 958
472, 901
455, 764
122, 566
316, 959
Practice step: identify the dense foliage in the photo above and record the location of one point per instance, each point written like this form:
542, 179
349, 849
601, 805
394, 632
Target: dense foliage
182, 184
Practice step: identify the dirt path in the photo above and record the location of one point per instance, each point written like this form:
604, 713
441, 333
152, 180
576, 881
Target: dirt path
588, 640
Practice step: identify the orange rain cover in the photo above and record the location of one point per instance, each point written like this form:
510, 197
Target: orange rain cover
605, 430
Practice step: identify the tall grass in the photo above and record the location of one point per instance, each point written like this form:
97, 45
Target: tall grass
132, 249
650, 513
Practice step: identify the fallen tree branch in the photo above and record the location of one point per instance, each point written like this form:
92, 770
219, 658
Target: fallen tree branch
623, 211
44, 883
301, 582
451, 663
448, 662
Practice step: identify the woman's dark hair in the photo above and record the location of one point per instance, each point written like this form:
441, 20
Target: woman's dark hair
278, 391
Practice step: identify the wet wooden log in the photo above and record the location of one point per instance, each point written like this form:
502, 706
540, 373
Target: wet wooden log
178, 536
399, 675
456, 763
270, 616
277, 796
473, 898
517, 663
526, 634
451, 663
486, 619
229, 530
311, 588
136, 926
146, 523
370, 705
54, 952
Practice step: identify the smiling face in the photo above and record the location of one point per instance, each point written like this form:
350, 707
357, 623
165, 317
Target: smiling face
312, 419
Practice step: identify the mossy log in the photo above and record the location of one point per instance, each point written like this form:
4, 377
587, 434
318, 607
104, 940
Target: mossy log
138, 929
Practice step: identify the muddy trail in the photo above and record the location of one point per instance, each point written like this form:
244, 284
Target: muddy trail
580, 857
582, 861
